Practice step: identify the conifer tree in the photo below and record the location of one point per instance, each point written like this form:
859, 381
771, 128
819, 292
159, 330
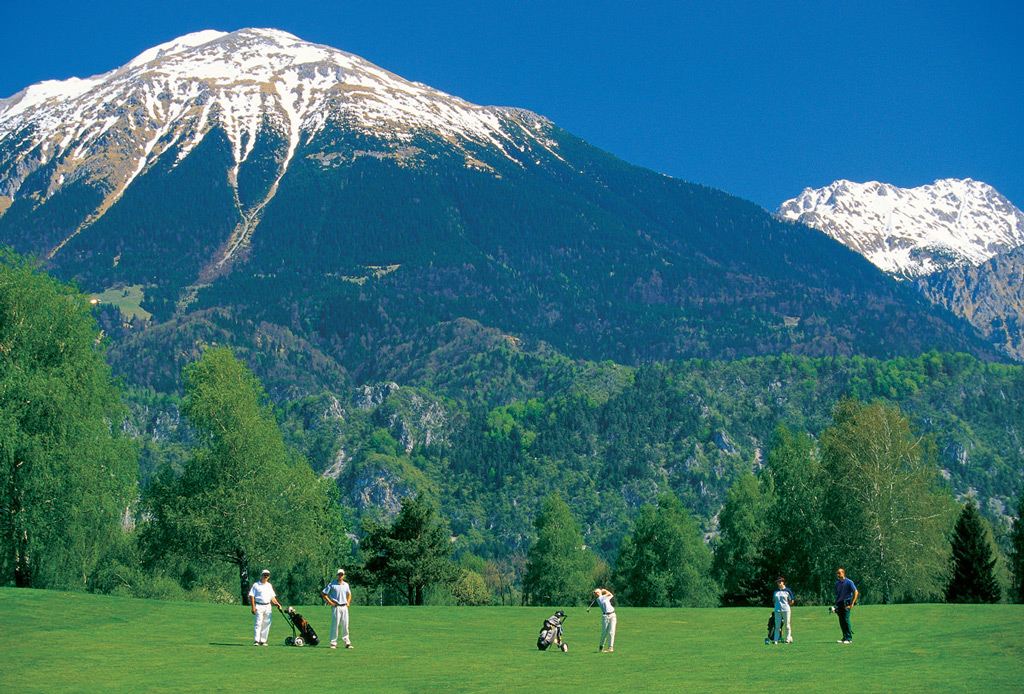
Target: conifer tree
973, 579
410, 554
1017, 553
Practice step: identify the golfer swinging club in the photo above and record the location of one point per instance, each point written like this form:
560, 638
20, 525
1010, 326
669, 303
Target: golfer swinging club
604, 599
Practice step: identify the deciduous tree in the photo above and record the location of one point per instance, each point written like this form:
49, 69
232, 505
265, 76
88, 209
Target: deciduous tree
739, 563
888, 517
794, 535
242, 497
471, 589
67, 475
665, 562
561, 569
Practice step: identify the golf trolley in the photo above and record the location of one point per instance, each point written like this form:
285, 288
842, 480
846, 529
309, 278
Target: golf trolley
305, 636
552, 633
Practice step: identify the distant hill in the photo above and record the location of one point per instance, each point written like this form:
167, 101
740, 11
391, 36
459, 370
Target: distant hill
609, 439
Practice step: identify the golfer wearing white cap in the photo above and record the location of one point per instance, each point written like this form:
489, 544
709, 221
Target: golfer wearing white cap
339, 597
262, 597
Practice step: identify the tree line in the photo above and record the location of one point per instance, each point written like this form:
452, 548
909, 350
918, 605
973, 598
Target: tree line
867, 493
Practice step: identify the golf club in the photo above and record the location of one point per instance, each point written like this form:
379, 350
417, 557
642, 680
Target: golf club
591, 604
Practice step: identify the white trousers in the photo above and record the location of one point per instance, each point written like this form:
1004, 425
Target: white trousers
608, 631
782, 623
261, 628
340, 616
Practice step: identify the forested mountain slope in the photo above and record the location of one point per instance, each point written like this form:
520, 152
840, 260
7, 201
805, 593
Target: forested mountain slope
609, 439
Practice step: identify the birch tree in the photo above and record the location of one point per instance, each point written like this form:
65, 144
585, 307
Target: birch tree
887, 517
243, 497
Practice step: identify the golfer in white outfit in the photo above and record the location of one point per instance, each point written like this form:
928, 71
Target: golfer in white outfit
339, 596
604, 599
263, 599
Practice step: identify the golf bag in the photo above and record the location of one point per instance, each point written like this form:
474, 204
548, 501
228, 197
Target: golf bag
552, 633
305, 636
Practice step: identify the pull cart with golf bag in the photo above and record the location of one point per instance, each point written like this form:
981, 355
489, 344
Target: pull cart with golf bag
302, 632
551, 634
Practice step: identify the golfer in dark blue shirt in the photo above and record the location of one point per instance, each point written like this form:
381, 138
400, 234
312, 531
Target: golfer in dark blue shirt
846, 598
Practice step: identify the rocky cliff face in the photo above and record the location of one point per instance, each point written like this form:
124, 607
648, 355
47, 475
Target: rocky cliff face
990, 296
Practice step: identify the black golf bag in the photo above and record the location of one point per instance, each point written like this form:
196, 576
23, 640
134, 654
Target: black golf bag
552, 633
306, 635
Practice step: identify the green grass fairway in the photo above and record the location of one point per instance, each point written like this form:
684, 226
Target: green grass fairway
63, 642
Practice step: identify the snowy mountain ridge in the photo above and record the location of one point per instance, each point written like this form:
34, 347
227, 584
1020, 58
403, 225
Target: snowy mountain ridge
249, 72
913, 232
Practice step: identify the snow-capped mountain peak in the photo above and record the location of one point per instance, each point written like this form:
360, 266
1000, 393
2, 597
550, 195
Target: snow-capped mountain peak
248, 84
249, 72
912, 232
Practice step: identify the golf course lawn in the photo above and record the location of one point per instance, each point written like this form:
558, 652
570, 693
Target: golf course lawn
57, 642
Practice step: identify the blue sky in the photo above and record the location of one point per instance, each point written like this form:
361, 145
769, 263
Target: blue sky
760, 99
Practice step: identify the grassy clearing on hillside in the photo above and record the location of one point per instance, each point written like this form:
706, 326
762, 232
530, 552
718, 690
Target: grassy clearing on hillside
62, 642
127, 298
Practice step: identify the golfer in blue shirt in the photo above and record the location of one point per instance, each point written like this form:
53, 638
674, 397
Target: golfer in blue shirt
846, 598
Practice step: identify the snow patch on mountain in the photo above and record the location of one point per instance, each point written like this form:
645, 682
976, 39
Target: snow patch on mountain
241, 82
913, 232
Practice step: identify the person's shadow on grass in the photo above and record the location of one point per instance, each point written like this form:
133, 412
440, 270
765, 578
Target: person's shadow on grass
231, 644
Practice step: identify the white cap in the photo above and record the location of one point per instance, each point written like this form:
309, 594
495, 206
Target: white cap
341, 571
265, 572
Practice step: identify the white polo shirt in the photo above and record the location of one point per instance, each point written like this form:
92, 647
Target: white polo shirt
262, 592
606, 604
